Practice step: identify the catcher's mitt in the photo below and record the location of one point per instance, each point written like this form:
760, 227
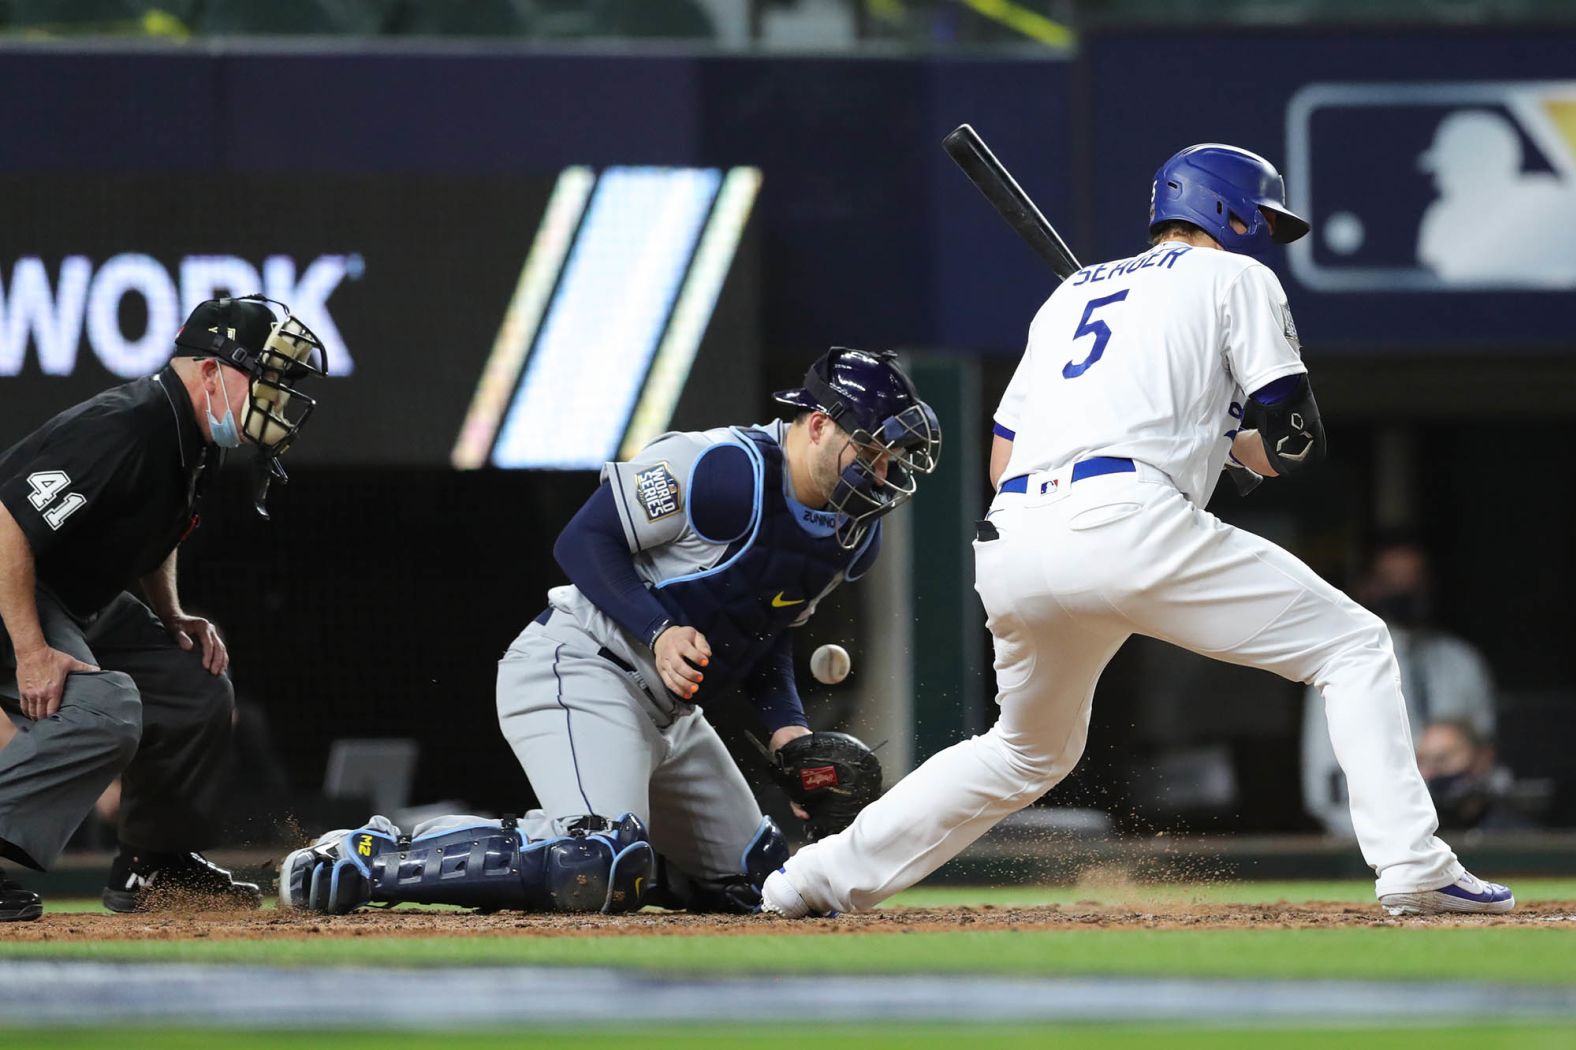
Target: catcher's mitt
832, 775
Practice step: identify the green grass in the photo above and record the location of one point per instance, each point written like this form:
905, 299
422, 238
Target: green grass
835, 1037
1528, 891
1542, 955
1522, 956
1528, 955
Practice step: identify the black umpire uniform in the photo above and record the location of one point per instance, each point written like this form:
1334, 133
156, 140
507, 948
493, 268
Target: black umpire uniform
131, 467
103, 494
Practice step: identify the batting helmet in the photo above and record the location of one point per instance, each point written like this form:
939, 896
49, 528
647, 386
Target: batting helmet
1211, 184
873, 400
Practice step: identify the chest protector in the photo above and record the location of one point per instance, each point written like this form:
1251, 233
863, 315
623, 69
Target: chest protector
764, 581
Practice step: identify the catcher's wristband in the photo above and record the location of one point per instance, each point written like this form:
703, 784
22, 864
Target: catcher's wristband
656, 632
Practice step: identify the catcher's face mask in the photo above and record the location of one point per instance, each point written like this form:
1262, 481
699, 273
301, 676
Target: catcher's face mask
277, 353
872, 401
909, 442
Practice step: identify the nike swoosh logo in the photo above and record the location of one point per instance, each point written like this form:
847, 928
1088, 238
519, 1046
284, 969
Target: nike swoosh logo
1485, 896
779, 602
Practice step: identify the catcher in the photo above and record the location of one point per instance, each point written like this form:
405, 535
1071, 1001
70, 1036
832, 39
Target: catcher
688, 565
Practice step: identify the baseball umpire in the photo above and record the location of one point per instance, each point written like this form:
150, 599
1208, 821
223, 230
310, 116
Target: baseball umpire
99, 682
688, 565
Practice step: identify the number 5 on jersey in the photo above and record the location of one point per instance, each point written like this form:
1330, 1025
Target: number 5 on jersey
1099, 329
46, 485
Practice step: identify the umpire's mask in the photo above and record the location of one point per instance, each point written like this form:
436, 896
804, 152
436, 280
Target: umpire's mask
277, 353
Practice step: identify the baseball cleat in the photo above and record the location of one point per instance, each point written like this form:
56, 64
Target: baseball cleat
18, 904
151, 881
778, 897
1467, 894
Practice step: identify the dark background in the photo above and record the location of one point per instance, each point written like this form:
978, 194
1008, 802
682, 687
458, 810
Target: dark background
441, 256
378, 600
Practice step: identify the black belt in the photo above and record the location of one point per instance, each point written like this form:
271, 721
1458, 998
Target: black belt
624, 665
603, 651
617, 661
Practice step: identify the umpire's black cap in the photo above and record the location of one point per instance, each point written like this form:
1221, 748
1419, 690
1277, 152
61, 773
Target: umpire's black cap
248, 321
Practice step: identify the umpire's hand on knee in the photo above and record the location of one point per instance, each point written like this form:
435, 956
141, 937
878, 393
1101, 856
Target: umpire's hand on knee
183, 628
680, 653
41, 679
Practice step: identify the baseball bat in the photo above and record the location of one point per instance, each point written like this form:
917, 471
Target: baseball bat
964, 145
992, 178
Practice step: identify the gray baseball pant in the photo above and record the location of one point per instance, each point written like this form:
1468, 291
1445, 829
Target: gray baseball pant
593, 738
151, 715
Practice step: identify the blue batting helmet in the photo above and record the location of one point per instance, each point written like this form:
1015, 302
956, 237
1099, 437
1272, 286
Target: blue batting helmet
873, 400
1210, 184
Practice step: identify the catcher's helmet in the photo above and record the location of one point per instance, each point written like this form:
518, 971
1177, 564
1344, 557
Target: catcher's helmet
276, 353
1210, 184
873, 400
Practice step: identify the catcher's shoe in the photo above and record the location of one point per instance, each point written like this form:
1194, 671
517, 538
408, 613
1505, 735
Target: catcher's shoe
1467, 894
150, 881
779, 897
16, 903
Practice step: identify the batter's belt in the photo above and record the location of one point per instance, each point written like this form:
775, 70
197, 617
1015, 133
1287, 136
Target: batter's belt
1084, 468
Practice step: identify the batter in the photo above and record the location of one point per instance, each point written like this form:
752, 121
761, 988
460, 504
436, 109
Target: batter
1140, 377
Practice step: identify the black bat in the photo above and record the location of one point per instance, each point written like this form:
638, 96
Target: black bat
992, 178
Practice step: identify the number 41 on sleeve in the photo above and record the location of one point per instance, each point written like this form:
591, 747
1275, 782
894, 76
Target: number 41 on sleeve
47, 485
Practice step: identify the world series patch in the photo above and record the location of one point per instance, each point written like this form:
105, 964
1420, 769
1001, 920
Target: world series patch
658, 491
1289, 327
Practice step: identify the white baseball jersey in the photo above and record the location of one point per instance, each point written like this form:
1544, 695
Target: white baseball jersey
1149, 358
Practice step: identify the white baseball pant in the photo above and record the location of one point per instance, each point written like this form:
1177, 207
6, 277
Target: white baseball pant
1076, 570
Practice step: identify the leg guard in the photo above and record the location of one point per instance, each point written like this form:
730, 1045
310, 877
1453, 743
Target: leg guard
598, 865
595, 865
739, 894
634, 866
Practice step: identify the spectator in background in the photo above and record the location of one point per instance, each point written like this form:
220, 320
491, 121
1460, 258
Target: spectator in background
1469, 788
1444, 678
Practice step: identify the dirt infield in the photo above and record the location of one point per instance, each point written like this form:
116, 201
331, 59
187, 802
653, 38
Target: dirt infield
415, 922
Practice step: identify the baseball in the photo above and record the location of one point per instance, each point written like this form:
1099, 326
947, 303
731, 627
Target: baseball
830, 664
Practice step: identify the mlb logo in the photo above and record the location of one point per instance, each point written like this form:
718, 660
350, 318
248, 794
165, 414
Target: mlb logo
1050, 486
1434, 187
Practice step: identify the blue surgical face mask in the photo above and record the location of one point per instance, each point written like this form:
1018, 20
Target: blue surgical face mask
224, 432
